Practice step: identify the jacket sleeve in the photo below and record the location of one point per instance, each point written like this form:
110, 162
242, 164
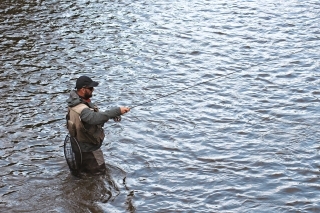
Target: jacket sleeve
98, 118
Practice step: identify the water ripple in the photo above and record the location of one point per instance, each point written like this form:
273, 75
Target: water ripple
245, 142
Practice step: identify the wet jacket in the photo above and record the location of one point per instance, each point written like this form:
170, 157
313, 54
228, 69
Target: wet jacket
85, 122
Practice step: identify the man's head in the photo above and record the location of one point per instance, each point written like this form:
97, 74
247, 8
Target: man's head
85, 85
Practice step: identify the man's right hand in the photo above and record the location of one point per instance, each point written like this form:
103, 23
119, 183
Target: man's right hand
124, 110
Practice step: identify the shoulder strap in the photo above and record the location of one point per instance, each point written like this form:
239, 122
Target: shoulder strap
78, 109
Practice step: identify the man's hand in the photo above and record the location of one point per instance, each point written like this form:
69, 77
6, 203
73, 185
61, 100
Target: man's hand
124, 110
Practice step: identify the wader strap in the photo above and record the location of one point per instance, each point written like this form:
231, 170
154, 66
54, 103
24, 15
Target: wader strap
78, 109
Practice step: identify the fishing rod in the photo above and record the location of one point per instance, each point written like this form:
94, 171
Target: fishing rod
202, 82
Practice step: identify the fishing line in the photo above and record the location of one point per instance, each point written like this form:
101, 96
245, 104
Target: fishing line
202, 82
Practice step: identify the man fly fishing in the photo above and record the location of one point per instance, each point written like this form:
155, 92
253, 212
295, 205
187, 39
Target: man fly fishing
85, 122
85, 125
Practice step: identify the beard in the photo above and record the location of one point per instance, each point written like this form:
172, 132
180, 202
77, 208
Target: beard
87, 95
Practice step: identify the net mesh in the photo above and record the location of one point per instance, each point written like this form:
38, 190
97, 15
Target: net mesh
72, 153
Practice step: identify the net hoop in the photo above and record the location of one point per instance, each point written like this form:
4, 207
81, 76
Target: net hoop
72, 153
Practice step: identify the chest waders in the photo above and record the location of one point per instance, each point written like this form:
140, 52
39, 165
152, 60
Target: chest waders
79, 134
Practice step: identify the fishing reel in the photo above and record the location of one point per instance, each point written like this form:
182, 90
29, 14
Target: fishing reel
117, 118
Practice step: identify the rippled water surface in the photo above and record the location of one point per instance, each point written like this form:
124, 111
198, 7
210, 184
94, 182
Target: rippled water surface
246, 139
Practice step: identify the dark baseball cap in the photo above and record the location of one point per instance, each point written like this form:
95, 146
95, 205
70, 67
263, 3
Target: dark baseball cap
85, 81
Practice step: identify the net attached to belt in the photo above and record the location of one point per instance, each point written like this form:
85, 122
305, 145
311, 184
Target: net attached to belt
72, 153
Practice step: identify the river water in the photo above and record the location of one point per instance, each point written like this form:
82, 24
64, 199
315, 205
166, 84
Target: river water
246, 139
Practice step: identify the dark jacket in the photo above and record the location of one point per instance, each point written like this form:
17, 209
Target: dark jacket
91, 117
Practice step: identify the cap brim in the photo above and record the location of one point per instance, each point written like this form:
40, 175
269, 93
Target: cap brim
93, 84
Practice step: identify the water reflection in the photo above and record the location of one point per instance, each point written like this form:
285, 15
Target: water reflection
89, 192
71, 194
92, 192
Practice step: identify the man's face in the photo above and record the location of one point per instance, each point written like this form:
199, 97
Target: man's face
88, 92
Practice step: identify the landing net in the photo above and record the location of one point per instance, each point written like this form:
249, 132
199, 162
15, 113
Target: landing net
72, 153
